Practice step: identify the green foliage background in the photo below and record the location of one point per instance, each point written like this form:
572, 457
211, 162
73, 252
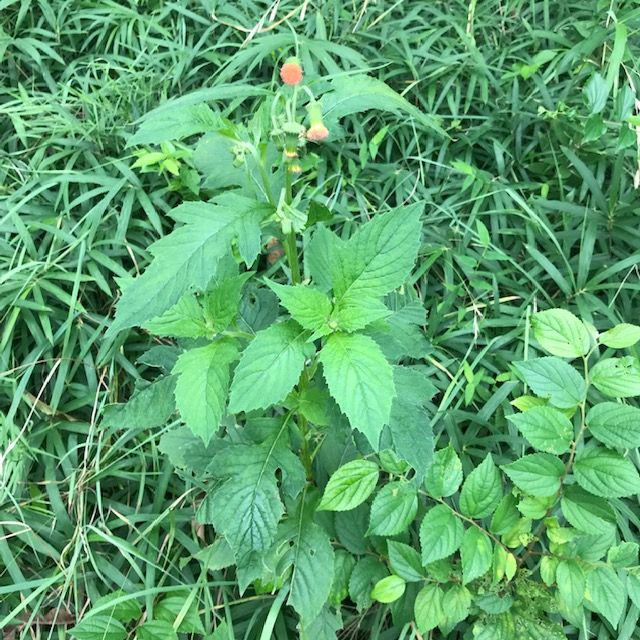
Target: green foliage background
531, 204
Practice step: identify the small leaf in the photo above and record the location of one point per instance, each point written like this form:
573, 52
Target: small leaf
554, 379
99, 627
156, 630
596, 93
361, 381
367, 572
269, 368
353, 313
184, 320
546, 428
537, 474
393, 509
405, 561
126, 610
180, 605
482, 490
560, 333
440, 534
614, 424
445, 474
617, 377
428, 607
604, 473
587, 512
456, 605
308, 306
476, 554
621, 336
388, 589
350, 486
606, 594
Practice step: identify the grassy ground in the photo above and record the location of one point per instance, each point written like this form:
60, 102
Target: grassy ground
532, 204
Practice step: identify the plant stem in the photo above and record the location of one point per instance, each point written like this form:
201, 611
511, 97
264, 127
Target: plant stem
290, 245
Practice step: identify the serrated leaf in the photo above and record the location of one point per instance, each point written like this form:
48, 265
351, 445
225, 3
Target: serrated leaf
388, 589
587, 512
379, 256
246, 507
189, 256
537, 474
506, 515
365, 574
405, 561
350, 486
181, 605
312, 559
221, 302
596, 93
440, 534
624, 554
322, 627
604, 473
360, 380
186, 451
476, 554
428, 607
358, 93
320, 255
553, 378
99, 627
606, 593
184, 320
445, 474
125, 608
308, 306
482, 490
269, 367
621, 336
342, 567
353, 313
571, 582
617, 377
393, 509
560, 333
203, 382
546, 428
614, 424
156, 630
456, 605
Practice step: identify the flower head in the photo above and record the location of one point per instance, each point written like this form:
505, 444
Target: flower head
291, 72
317, 133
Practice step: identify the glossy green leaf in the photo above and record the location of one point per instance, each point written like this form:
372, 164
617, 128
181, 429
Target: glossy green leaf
428, 607
156, 630
99, 627
445, 474
553, 378
308, 306
571, 582
440, 534
621, 336
350, 486
615, 424
617, 377
537, 474
606, 594
605, 473
546, 428
405, 561
388, 589
560, 333
393, 509
476, 553
587, 512
482, 490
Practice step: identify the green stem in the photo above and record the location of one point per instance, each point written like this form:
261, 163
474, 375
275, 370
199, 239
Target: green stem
290, 245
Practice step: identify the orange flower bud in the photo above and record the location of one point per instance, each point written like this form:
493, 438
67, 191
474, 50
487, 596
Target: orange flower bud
317, 133
291, 72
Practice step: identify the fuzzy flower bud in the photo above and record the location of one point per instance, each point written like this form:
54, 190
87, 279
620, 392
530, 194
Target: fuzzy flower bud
317, 132
291, 72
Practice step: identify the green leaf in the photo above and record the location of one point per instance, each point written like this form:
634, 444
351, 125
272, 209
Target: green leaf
633, 587
148, 408
624, 554
342, 567
476, 553
571, 582
203, 383
357, 93
184, 320
308, 306
246, 508
320, 255
621, 336
445, 474
388, 589
189, 256
604, 473
156, 630
269, 367
350, 486
482, 490
405, 561
594, 128
322, 627
560, 333
361, 381
554, 379
537, 474
428, 607
614, 424
221, 302
379, 256
440, 534
506, 515
606, 594
596, 93
587, 512
546, 428
456, 605
393, 509
125, 609
353, 313
312, 558
181, 606
367, 572
617, 377
99, 627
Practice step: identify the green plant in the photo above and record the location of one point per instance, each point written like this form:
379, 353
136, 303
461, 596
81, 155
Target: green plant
297, 397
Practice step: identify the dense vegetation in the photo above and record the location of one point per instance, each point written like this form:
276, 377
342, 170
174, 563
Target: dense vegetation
518, 136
